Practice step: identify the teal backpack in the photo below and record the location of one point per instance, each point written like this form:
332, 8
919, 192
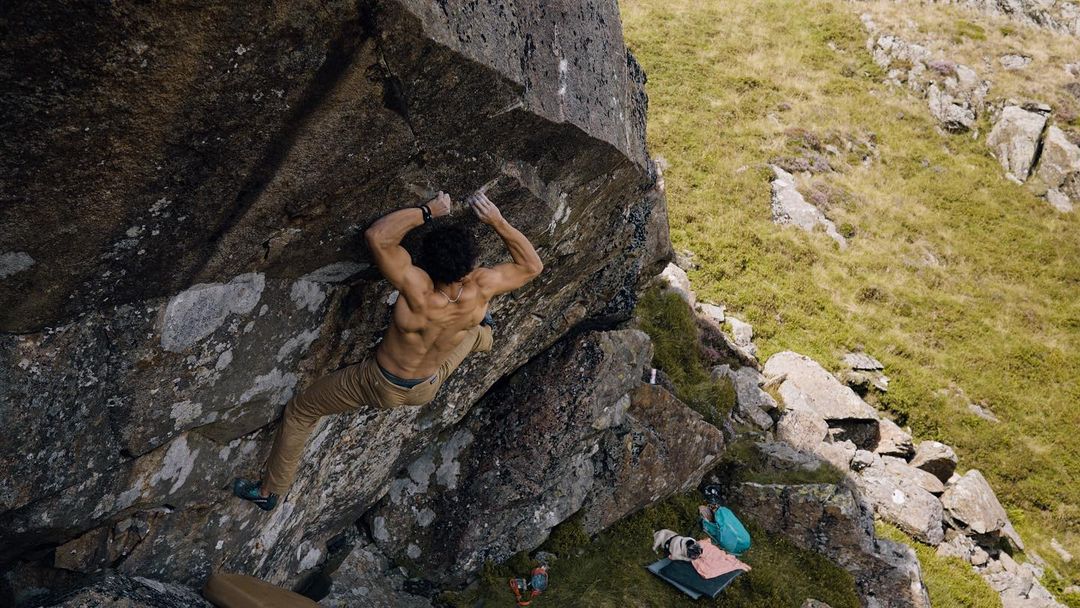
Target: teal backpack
726, 530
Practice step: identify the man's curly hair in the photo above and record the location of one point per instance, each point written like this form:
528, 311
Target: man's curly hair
447, 254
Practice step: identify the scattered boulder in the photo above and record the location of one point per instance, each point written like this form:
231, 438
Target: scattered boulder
972, 507
742, 333
962, 547
901, 469
830, 520
1018, 584
936, 458
713, 312
952, 113
1062, 552
1014, 140
955, 94
861, 460
781, 456
684, 258
1058, 174
837, 453
675, 281
807, 386
897, 497
752, 405
861, 361
789, 207
864, 372
894, 441
983, 412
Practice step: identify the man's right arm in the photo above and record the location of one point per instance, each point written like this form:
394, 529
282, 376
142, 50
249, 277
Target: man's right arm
526, 266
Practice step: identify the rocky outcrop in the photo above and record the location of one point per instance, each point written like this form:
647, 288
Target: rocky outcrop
790, 207
831, 520
1014, 140
955, 94
913, 488
223, 178
1055, 15
1058, 175
367, 579
573, 432
112, 589
752, 404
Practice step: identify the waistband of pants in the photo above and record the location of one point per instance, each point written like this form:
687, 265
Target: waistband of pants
399, 381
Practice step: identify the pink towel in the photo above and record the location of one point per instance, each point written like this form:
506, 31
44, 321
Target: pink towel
714, 561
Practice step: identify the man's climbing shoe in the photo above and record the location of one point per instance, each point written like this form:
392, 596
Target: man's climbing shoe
249, 490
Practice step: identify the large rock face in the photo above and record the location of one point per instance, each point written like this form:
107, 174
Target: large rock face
830, 520
184, 194
573, 432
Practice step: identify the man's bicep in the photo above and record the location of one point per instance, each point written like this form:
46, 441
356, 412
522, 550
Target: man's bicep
504, 278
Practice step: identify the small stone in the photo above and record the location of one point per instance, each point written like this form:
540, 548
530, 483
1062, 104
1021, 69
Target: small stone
1014, 62
862, 361
1060, 550
713, 312
983, 413
861, 460
684, 258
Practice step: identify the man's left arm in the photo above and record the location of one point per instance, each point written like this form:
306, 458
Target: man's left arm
394, 262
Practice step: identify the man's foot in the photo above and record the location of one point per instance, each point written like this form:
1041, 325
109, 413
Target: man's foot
250, 491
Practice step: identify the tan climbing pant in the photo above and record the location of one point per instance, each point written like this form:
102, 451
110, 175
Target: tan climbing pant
348, 390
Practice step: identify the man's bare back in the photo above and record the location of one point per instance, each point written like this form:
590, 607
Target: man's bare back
432, 317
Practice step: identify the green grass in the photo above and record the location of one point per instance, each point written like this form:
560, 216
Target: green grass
954, 276
677, 350
950, 581
610, 570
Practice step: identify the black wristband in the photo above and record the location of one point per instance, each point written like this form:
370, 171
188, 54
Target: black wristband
426, 211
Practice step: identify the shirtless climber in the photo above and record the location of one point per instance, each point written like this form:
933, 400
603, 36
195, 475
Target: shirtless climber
439, 319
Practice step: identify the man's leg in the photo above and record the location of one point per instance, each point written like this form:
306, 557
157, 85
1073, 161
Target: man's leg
332, 394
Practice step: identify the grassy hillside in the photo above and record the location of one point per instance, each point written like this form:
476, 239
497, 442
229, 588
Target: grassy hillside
962, 283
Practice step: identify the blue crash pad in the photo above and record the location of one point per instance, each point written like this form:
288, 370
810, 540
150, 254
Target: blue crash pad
683, 577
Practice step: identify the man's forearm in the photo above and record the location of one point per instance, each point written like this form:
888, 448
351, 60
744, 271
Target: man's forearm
521, 250
392, 227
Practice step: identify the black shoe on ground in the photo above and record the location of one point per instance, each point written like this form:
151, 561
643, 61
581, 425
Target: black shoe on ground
249, 490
